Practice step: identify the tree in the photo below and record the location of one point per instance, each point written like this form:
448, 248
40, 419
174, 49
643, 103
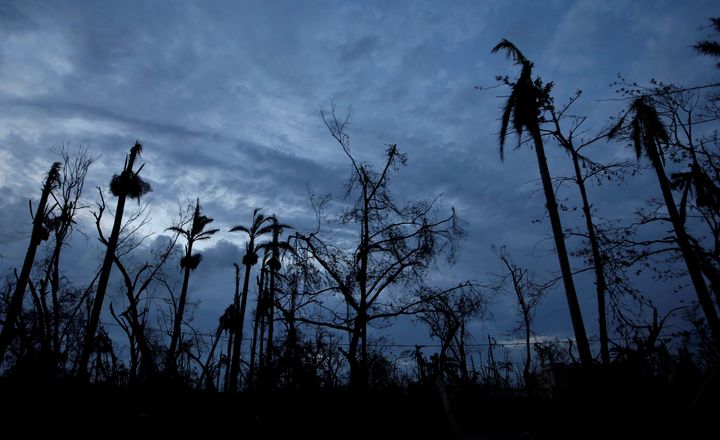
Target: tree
137, 282
53, 300
446, 316
40, 232
194, 233
257, 229
648, 135
127, 184
528, 294
522, 109
266, 305
391, 251
568, 143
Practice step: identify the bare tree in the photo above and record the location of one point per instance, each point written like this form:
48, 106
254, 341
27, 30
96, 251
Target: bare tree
528, 294
128, 183
392, 250
446, 316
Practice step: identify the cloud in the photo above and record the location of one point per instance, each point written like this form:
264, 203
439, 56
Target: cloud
226, 98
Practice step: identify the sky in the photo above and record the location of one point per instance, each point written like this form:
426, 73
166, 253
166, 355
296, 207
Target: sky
226, 98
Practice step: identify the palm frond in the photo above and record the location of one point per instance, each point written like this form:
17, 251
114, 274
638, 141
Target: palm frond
511, 51
54, 173
240, 228
710, 48
636, 134
190, 261
264, 230
137, 148
507, 113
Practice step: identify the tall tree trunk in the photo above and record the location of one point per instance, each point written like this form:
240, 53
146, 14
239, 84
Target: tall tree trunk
205, 377
177, 324
15, 306
691, 259
256, 325
600, 284
558, 235
237, 344
94, 318
233, 326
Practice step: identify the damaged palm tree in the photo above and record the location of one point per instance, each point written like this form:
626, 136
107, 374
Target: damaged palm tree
648, 135
127, 184
256, 230
274, 266
40, 233
188, 263
522, 109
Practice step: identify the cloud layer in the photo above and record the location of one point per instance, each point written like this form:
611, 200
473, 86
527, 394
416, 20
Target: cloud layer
226, 96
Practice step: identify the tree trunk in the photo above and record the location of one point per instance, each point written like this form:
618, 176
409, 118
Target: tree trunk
170, 366
558, 235
237, 344
600, 284
15, 307
256, 325
270, 315
94, 318
691, 259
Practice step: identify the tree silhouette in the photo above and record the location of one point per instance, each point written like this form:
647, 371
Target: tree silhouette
528, 294
573, 148
127, 184
522, 109
273, 265
194, 233
40, 232
708, 47
392, 249
648, 134
257, 229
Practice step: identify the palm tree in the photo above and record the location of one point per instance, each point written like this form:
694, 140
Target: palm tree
648, 134
196, 232
128, 183
274, 266
40, 233
256, 230
522, 109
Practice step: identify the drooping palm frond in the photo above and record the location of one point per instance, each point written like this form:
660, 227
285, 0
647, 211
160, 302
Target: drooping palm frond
250, 258
197, 229
205, 235
697, 182
264, 230
240, 228
191, 261
129, 184
522, 106
505, 122
511, 51
137, 148
648, 133
177, 230
708, 47
54, 173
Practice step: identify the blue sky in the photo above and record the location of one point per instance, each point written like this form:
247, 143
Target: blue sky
226, 95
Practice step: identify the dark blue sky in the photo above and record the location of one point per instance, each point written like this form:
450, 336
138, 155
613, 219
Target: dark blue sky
226, 96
